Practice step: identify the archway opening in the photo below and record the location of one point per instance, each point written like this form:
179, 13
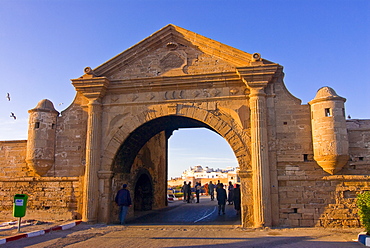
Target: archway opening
143, 196
147, 149
198, 146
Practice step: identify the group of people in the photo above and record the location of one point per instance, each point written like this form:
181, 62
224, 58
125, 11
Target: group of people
188, 196
232, 197
123, 197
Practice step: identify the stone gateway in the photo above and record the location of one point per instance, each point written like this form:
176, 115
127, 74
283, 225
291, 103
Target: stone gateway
300, 165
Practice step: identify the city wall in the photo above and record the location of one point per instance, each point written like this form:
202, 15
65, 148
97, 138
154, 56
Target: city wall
49, 198
306, 163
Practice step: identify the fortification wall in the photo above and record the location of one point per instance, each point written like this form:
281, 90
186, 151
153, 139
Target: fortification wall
308, 196
49, 198
12, 159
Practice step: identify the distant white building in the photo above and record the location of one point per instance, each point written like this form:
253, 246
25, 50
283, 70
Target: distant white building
205, 175
198, 172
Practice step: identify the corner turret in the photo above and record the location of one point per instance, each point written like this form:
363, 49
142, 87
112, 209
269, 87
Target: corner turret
329, 131
41, 137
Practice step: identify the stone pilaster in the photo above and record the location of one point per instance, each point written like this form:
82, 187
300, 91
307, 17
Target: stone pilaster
259, 150
105, 179
90, 194
93, 88
247, 204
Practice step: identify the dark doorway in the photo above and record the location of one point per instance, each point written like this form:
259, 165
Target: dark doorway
143, 194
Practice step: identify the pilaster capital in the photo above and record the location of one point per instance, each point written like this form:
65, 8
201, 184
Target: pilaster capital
105, 174
245, 173
257, 88
256, 78
92, 88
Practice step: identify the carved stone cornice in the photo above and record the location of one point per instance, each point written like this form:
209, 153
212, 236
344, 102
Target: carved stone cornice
213, 80
91, 87
105, 174
258, 76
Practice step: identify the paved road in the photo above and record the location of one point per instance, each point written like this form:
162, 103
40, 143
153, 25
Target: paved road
203, 213
190, 225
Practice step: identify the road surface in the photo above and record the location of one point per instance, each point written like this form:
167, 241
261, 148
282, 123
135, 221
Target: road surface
190, 225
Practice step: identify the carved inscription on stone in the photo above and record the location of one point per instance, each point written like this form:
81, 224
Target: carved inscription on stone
173, 95
134, 97
150, 96
172, 60
215, 92
234, 91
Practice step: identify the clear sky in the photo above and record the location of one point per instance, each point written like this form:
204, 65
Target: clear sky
45, 43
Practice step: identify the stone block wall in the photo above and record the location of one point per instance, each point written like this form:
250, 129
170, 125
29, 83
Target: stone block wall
70, 141
308, 196
328, 201
48, 198
12, 159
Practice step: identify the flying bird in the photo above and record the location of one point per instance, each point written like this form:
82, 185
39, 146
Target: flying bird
60, 104
8, 96
12, 115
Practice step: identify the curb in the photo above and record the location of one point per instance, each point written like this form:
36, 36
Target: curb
39, 233
364, 239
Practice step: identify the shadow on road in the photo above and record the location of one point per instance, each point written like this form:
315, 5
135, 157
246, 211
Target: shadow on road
203, 213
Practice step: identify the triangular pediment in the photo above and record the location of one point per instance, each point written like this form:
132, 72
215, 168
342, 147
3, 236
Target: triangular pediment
173, 51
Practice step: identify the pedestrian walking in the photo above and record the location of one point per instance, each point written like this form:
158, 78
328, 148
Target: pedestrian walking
237, 199
230, 195
185, 191
198, 188
189, 192
123, 200
218, 184
211, 190
221, 198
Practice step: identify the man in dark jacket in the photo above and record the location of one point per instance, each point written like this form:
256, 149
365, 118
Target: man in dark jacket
211, 190
123, 200
189, 197
237, 199
221, 198
185, 191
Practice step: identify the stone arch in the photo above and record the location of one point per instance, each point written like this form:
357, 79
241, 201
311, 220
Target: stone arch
218, 121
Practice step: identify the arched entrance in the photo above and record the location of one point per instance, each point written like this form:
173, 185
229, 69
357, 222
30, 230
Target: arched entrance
143, 196
145, 149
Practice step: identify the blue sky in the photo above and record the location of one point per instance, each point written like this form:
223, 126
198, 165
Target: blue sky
45, 43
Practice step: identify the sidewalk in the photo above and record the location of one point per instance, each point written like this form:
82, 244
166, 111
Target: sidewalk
137, 236
31, 228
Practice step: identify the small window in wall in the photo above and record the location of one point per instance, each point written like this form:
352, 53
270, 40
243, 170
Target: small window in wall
52, 126
37, 125
360, 158
231, 178
327, 112
343, 112
285, 123
305, 157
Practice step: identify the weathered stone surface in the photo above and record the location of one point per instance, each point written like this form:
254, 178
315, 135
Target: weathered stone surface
117, 127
